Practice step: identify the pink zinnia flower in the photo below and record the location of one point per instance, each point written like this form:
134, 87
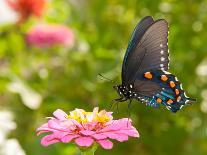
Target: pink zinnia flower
46, 35
85, 128
26, 8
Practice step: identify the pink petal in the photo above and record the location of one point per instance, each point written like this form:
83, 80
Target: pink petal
68, 138
99, 136
59, 114
48, 140
132, 133
87, 132
89, 126
43, 131
56, 125
76, 123
84, 141
106, 144
119, 137
43, 127
120, 124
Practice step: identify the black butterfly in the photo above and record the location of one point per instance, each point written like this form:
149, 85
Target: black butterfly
145, 65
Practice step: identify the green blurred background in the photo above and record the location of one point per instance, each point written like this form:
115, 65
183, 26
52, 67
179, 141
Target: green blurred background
34, 82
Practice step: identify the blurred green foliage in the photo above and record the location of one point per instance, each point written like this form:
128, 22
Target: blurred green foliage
68, 78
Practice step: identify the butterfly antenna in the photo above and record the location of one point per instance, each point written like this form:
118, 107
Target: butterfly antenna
106, 78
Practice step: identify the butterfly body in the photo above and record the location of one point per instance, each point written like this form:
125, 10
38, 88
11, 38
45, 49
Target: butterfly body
144, 70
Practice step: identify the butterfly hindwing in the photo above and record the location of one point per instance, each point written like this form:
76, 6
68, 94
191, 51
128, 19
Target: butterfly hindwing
166, 90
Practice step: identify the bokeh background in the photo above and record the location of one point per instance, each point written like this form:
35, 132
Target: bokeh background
51, 53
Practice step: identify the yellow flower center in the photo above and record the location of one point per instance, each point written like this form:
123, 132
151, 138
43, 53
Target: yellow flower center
83, 117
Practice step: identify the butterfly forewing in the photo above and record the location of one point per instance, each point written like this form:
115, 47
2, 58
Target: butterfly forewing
136, 36
151, 52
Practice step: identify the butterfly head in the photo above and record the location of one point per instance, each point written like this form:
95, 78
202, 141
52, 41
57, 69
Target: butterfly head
121, 90
118, 89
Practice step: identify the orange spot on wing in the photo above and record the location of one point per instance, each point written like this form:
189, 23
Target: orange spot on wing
164, 78
172, 84
169, 101
159, 100
178, 99
148, 75
177, 92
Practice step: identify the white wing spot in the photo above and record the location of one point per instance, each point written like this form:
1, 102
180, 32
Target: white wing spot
130, 86
185, 95
181, 87
161, 45
162, 59
161, 52
166, 72
168, 107
161, 65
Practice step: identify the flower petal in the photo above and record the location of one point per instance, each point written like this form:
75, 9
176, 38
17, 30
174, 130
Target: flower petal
48, 140
59, 114
89, 125
132, 132
68, 138
117, 136
99, 136
84, 141
87, 132
106, 144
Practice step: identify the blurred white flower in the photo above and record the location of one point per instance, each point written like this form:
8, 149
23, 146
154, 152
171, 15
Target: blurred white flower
6, 125
165, 7
30, 98
12, 147
202, 68
7, 15
8, 146
203, 105
197, 26
83, 47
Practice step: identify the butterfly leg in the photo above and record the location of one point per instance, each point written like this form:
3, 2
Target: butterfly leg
129, 107
128, 110
116, 101
120, 99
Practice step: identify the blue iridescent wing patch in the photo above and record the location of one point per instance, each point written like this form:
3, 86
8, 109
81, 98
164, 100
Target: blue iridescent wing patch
171, 94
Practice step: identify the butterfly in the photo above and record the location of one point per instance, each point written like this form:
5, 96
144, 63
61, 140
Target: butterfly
145, 75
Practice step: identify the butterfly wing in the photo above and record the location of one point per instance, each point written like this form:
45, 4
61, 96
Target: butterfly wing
162, 88
145, 65
136, 36
150, 52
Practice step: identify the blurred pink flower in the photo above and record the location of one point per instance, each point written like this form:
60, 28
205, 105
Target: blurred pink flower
46, 35
85, 128
26, 8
